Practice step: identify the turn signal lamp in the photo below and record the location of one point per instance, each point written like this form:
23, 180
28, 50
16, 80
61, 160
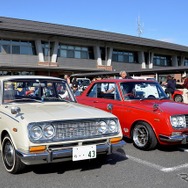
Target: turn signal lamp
115, 140
37, 148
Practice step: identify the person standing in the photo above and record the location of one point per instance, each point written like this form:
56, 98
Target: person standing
185, 81
67, 78
75, 90
170, 86
124, 75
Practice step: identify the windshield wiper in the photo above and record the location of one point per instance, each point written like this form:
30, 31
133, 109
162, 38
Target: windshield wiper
62, 99
24, 99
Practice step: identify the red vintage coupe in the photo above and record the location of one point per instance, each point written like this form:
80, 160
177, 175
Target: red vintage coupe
146, 114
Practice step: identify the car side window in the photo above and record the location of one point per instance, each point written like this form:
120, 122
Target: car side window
108, 90
93, 91
104, 90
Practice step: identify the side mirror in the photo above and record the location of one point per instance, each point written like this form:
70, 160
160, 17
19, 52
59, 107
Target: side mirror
110, 107
15, 110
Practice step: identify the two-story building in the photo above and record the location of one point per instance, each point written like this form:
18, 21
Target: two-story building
32, 47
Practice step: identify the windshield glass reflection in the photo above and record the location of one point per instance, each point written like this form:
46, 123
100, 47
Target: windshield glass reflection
36, 89
142, 90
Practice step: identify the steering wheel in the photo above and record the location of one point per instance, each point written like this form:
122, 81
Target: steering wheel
151, 97
129, 96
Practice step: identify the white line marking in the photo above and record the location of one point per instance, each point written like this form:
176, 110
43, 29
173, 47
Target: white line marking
158, 167
171, 169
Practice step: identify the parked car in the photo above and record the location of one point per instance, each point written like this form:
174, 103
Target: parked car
180, 94
146, 114
81, 82
41, 122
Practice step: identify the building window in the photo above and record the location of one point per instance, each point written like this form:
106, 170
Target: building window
78, 52
17, 47
123, 56
6, 49
186, 62
162, 61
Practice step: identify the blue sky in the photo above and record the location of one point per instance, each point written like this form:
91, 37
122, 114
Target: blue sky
164, 20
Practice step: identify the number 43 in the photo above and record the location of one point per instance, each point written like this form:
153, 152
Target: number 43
91, 154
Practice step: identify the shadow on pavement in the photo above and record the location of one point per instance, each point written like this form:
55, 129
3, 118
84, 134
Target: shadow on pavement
84, 165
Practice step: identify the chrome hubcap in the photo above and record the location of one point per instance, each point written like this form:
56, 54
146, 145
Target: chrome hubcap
8, 154
178, 99
140, 136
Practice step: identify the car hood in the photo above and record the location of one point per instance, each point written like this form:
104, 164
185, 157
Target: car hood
165, 106
33, 112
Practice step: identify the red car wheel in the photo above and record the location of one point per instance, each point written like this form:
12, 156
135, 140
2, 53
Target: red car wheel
143, 136
178, 98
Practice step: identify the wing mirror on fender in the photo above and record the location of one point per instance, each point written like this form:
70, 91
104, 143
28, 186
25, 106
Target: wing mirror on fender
15, 110
110, 107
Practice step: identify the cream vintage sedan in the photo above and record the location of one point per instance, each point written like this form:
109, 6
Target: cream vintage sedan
41, 122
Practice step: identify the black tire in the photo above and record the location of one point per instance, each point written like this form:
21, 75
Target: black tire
178, 98
11, 161
143, 136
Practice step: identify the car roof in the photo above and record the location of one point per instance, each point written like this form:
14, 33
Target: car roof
28, 77
124, 80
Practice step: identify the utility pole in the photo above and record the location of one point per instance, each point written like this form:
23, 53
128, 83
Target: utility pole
139, 27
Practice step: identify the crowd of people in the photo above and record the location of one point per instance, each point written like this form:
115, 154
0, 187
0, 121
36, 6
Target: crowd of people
74, 84
170, 83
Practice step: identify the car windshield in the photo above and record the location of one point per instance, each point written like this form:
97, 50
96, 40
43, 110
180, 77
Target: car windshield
83, 82
41, 90
142, 90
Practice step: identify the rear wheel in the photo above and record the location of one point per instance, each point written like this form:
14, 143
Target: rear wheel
178, 98
11, 161
143, 136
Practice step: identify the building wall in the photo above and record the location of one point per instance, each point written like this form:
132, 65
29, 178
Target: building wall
18, 60
145, 54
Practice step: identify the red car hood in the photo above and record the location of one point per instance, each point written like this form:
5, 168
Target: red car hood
165, 106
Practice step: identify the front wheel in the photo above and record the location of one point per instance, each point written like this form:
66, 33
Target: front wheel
143, 136
178, 98
11, 161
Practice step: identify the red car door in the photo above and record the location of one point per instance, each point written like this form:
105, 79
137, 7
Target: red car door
110, 102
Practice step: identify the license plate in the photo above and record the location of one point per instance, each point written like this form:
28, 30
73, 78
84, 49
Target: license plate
84, 152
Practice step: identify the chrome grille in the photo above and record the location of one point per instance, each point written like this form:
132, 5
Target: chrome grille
70, 130
186, 119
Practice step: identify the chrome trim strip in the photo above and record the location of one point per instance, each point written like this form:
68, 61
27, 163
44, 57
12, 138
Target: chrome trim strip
176, 138
9, 116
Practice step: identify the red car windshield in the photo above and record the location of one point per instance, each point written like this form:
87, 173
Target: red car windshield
142, 90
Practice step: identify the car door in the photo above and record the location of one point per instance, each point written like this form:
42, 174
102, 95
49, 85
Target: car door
110, 102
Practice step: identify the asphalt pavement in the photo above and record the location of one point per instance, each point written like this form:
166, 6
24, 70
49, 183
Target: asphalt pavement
163, 167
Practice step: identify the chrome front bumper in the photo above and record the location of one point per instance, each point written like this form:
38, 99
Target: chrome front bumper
176, 138
52, 156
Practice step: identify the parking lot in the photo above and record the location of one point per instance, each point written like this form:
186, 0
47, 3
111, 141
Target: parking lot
162, 167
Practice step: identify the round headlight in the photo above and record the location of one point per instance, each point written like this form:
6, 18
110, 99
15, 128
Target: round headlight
174, 121
102, 127
181, 121
36, 132
48, 131
112, 126
178, 121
